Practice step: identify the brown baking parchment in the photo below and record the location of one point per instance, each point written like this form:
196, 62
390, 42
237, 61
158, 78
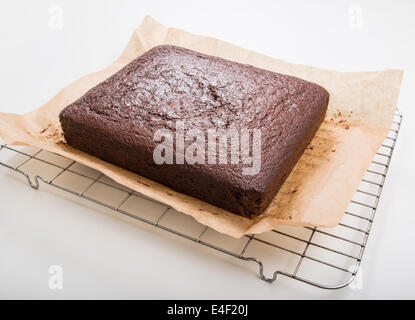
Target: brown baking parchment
319, 189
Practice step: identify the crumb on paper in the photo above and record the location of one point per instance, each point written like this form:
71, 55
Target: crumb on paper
53, 133
145, 184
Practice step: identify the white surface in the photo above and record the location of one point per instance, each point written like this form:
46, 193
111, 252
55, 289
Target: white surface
104, 257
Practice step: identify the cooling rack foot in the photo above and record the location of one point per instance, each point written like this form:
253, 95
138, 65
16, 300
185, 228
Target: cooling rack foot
33, 183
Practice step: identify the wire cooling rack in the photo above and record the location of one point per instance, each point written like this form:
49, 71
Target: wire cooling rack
325, 258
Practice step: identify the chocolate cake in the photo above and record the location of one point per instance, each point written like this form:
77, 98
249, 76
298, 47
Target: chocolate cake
169, 91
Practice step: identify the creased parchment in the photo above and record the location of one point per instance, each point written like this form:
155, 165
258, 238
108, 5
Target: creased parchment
317, 192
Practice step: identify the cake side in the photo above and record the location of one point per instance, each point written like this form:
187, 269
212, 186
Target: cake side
116, 121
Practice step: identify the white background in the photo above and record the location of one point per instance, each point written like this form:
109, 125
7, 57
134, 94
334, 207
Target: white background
104, 257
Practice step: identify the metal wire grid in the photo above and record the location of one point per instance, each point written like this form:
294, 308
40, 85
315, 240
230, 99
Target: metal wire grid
297, 253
